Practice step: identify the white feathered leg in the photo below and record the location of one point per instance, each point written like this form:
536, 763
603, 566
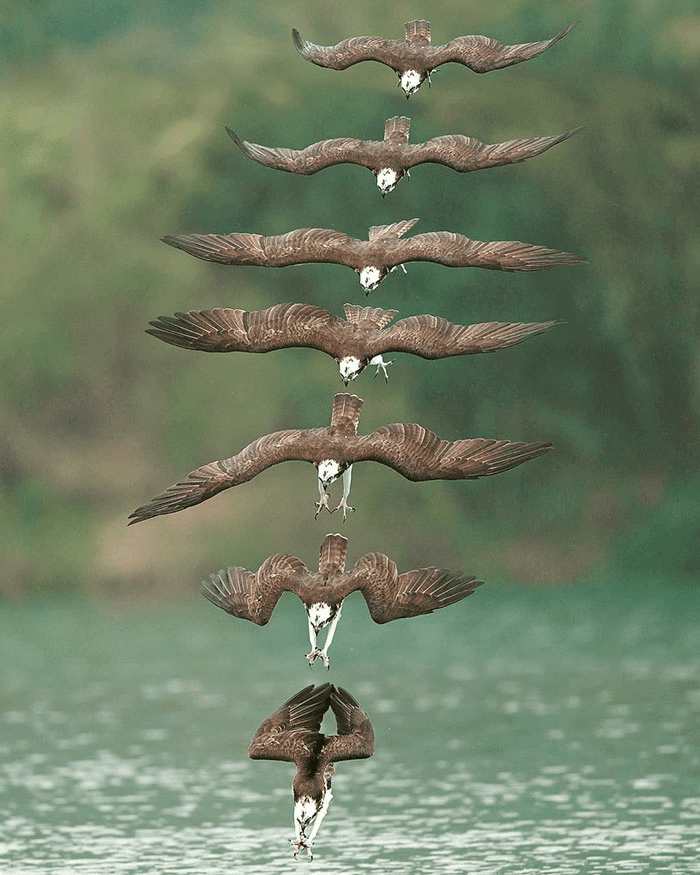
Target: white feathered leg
381, 366
344, 506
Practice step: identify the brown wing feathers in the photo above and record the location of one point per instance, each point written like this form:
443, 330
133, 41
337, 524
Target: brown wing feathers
291, 732
392, 596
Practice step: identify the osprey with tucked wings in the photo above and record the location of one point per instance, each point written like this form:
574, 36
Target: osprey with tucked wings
293, 734
389, 595
413, 59
391, 158
410, 449
371, 259
355, 342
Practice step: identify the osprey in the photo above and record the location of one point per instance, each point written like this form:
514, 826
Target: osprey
389, 595
354, 343
391, 158
413, 59
410, 449
293, 734
371, 259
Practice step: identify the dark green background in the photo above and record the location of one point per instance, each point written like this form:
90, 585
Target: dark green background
113, 135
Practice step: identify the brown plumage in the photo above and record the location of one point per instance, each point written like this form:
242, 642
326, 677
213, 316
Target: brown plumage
413, 59
292, 734
389, 595
354, 342
371, 259
413, 451
390, 159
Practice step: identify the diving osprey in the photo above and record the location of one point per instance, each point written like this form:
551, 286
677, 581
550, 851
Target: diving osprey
371, 259
389, 595
413, 59
391, 158
410, 449
293, 734
354, 343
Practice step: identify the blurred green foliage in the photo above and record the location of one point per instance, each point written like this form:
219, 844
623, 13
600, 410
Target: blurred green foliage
113, 118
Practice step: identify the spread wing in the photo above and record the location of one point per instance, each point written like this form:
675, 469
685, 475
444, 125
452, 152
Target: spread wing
355, 738
302, 246
207, 481
455, 250
311, 159
392, 596
291, 732
482, 54
348, 52
464, 154
432, 337
229, 330
251, 596
419, 454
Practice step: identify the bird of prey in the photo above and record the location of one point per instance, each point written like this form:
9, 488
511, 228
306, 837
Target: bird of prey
410, 449
413, 59
354, 343
389, 595
371, 259
391, 159
293, 734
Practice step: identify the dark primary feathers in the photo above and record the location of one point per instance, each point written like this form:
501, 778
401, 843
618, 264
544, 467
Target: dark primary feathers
293, 734
374, 258
394, 153
415, 53
363, 334
389, 595
412, 450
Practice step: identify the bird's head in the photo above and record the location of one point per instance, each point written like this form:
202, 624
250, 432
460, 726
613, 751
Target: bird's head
410, 81
350, 367
328, 471
386, 180
370, 277
320, 614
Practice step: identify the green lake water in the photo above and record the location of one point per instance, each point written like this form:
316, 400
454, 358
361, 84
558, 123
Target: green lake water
520, 731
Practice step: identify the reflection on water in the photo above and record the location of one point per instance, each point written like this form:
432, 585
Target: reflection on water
529, 733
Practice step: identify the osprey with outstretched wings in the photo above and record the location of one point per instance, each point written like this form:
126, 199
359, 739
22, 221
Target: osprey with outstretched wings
413, 59
355, 342
391, 159
409, 448
389, 595
371, 259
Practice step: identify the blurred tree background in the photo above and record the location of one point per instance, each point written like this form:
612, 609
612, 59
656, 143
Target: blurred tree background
113, 123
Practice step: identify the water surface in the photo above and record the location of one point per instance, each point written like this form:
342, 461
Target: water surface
527, 731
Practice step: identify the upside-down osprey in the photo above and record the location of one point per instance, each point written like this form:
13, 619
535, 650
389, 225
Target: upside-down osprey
389, 595
355, 342
413, 59
293, 734
371, 259
410, 449
391, 159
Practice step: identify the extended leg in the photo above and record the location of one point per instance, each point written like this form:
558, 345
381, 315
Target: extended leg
323, 502
381, 366
347, 480
315, 652
317, 823
323, 654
